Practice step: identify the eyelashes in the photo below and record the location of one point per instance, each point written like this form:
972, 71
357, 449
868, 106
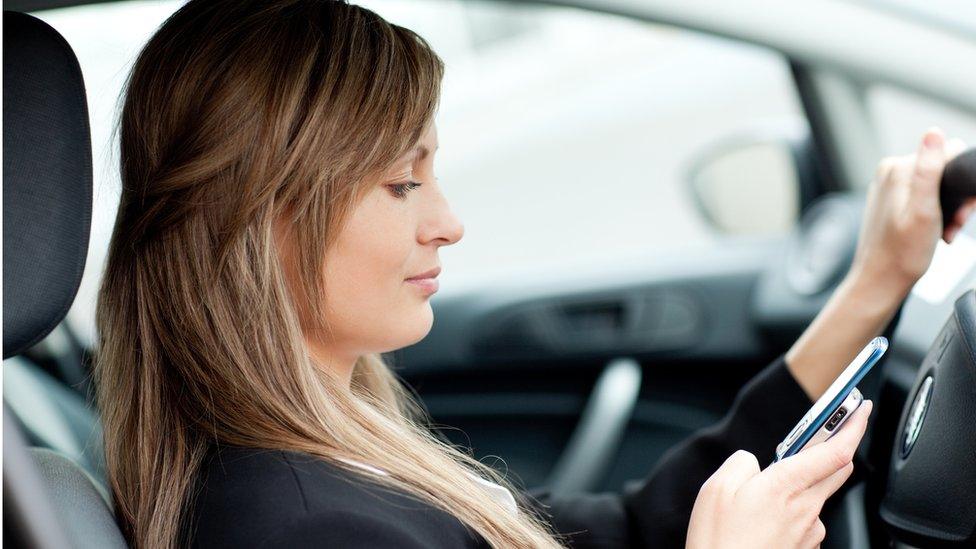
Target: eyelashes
400, 190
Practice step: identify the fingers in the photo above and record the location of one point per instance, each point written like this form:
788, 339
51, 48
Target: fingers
826, 488
740, 467
814, 464
930, 160
717, 497
814, 535
737, 469
958, 221
953, 148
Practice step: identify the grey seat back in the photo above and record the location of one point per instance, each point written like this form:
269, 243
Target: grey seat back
49, 500
87, 520
54, 416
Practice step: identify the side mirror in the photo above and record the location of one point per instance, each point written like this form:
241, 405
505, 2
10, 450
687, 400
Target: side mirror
748, 185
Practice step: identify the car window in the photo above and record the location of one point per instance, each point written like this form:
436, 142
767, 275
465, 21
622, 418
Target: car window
900, 116
951, 15
566, 136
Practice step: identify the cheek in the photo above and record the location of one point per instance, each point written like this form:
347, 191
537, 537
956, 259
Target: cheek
368, 304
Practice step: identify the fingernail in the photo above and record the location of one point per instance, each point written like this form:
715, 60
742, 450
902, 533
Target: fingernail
933, 138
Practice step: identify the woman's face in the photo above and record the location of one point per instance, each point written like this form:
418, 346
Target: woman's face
391, 236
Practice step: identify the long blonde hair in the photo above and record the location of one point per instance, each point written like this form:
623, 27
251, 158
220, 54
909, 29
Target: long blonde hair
236, 113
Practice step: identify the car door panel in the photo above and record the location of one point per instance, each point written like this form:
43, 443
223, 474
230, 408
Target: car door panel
511, 369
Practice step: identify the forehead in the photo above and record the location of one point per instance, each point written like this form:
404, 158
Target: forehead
423, 149
427, 143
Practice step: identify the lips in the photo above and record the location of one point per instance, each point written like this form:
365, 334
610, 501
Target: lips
432, 273
426, 281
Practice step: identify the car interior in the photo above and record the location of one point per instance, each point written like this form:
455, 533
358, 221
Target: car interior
576, 384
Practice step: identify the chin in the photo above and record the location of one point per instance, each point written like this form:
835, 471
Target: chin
426, 321
418, 325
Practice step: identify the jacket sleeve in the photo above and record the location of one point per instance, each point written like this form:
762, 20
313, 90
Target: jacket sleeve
655, 512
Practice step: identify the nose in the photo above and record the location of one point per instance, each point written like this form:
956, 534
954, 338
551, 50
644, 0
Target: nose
441, 225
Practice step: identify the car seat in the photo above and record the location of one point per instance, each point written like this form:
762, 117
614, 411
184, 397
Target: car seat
50, 500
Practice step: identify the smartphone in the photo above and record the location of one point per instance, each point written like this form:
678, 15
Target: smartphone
829, 413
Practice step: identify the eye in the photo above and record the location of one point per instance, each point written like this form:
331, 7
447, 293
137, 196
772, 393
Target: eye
400, 190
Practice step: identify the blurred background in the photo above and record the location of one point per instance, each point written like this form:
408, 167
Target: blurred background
570, 139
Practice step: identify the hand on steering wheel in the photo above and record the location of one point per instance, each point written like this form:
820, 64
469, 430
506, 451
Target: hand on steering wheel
903, 218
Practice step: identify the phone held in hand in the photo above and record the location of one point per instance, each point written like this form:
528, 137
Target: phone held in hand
829, 413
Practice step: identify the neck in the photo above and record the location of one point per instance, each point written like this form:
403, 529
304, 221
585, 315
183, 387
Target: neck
340, 364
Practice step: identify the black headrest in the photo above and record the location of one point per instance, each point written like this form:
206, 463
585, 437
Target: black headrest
47, 180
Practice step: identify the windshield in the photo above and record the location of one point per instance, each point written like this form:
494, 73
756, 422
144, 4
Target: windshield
958, 16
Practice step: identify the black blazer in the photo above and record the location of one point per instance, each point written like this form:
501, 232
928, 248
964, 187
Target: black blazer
268, 498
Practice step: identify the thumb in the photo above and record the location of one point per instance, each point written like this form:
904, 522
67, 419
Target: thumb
930, 160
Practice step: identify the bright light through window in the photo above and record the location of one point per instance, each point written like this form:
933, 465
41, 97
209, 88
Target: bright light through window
566, 136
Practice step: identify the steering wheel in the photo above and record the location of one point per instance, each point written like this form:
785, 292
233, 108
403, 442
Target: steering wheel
937, 417
930, 490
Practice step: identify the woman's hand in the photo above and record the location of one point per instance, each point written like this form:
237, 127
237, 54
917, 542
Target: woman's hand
903, 218
741, 506
902, 223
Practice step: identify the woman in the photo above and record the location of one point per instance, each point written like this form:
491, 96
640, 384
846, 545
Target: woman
278, 224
